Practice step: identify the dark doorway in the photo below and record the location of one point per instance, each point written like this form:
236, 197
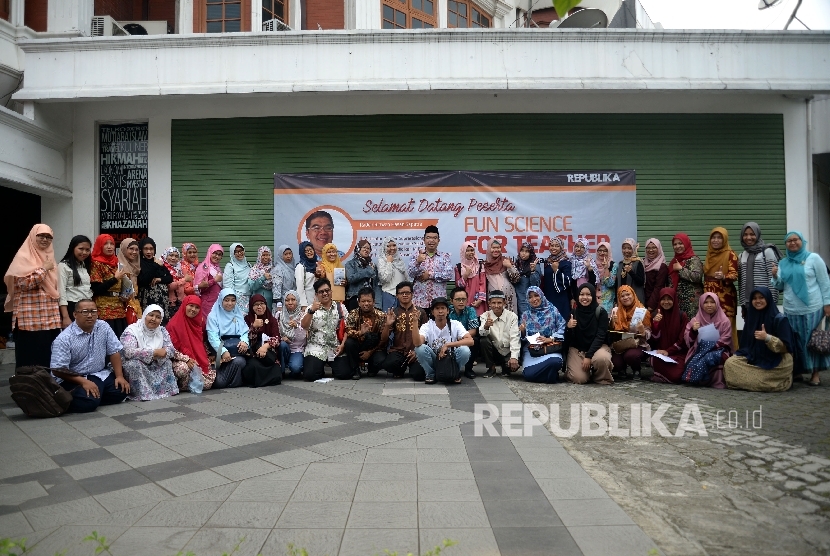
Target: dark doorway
23, 213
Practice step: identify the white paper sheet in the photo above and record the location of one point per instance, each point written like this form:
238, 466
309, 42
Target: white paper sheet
324, 380
533, 339
708, 333
660, 356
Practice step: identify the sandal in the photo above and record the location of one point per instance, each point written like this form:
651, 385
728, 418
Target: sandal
429, 381
457, 380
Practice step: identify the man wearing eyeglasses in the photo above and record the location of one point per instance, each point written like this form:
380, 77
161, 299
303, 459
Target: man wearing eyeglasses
398, 323
83, 349
321, 321
319, 230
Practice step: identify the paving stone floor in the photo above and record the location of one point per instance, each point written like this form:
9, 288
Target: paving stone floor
348, 467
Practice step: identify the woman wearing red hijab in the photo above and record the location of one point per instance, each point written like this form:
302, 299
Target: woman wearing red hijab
686, 274
108, 282
185, 329
32, 285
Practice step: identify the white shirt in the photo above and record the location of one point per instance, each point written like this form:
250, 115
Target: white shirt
436, 337
504, 333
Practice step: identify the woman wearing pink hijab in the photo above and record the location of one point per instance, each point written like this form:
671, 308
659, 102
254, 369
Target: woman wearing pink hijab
470, 275
209, 277
709, 335
657, 274
32, 285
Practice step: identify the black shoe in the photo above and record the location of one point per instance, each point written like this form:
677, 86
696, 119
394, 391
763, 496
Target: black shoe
490, 373
470, 374
356, 375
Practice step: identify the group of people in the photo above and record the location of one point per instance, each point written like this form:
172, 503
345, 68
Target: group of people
126, 323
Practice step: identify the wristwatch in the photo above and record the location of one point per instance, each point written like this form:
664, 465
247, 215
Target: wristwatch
310, 311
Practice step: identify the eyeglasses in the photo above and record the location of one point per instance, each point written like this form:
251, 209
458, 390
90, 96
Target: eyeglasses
318, 228
405, 293
87, 312
793, 240
323, 292
44, 236
430, 237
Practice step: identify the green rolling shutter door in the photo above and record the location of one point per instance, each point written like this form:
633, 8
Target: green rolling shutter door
694, 171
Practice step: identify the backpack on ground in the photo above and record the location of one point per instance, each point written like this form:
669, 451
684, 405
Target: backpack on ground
37, 393
447, 368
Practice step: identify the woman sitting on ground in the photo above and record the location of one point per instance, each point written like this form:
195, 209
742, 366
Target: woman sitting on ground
147, 357
629, 352
707, 350
764, 363
263, 367
544, 319
227, 333
586, 335
667, 338
186, 330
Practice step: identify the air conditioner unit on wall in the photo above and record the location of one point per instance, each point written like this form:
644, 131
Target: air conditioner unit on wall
105, 26
275, 25
145, 27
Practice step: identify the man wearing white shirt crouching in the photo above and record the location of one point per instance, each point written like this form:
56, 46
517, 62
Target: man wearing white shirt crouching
437, 336
500, 337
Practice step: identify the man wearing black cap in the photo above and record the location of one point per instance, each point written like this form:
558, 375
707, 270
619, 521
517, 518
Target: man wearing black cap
500, 337
437, 336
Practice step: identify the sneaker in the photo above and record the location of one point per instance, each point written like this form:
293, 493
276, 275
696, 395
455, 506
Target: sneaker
470, 374
356, 375
491, 372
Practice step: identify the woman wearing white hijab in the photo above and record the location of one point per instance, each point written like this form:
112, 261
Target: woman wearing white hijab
227, 334
147, 356
391, 272
236, 276
283, 279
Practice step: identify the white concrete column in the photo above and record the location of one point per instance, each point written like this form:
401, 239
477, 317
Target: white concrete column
362, 14
256, 16
57, 214
184, 17
159, 188
799, 189
18, 10
295, 15
67, 16
85, 203
441, 6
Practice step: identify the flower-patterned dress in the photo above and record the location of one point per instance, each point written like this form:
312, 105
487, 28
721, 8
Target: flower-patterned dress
150, 378
690, 286
607, 294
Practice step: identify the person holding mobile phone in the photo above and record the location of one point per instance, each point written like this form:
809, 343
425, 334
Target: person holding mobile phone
106, 276
430, 270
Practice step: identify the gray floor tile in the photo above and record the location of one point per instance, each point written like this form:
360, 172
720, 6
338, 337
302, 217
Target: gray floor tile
360, 542
543, 454
380, 455
620, 540
64, 513
577, 513
193, 482
112, 482
245, 469
12, 494
383, 515
125, 518
537, 541
521, 513
451, 514
314, 515
217, 540
256, 515
438, 490
15, 526
387, 491
244, 439
150, 457
314, 490
263, 490
129, 448
471, 542
509, 488
315, 541
333, 472
84, 456
352, 457
564, 469
204, 446
306, 438
446, 471
335, 448
222, 457
218, 493
96, 468
267, 447
291, 458
69, 540
405, 444
571, 489
440, 442
498, 470
131, 497
442, 455
239, 417
385, 472
152, 541
169, 469
179, 513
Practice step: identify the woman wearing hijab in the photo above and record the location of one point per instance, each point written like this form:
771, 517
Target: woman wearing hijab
190, 261
147, 357
686, 274
361, 273
208, 278
227, 334
607, 290
32, 286
668, 327
583, 267
305, 275
261, 276
129, 256
470, 275
631, 271
391, 272
282, 275
720, 272
153, 279
186, 332
110, 283
331, 260
172, 261
624, 319
764, 363
73, 277
755, 264
530, 274
707, 352
500, 275
586, 337
802, 276
657, 274
544, 319
236, 276
293, 335
556, 281
263, 367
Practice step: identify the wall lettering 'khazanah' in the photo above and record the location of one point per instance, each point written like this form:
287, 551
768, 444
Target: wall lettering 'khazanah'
122, 185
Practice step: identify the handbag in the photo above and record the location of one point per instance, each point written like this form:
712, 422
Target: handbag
446, 368
820, 339
341, 324
537, 350
130, 315
231, 343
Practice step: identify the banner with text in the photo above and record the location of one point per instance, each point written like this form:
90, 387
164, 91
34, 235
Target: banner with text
512, 207
122, 182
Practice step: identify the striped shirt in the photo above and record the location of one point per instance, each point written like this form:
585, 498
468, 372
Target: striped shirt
33, 308
762, 274
85, 353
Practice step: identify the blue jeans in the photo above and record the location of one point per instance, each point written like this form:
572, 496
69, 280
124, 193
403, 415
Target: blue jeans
426, 357
292, 362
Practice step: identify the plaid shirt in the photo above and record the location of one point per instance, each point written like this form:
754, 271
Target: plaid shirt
33, 309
